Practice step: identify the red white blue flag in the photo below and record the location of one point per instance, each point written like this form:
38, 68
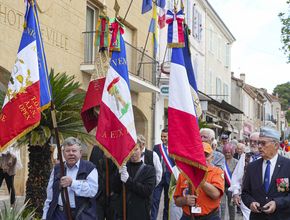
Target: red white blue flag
116, 132
184, 141
175, 37
28, 90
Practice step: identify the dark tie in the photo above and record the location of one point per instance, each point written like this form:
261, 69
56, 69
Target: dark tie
267, 176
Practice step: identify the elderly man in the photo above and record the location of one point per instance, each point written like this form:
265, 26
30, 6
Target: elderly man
208, 135
266, 182
238, 174
150, 157
81, 180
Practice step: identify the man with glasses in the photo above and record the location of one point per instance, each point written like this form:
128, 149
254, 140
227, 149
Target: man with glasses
266, 183
238, 174
207, 135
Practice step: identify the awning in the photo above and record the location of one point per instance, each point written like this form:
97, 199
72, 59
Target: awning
226, 106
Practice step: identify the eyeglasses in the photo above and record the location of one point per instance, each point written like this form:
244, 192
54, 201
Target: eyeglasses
254, 142
204, 136
264, 143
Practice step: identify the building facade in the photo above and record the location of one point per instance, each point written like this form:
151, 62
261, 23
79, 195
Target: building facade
68, 30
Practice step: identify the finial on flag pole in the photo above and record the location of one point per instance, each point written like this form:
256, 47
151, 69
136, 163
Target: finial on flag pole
116, 8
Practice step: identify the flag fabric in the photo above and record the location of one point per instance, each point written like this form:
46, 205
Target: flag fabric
161, 3
28, 90
161, 18
117, 29
116, 132
175, 29
102, 32
190, 73
153, 29
184, 141
92, 103
146, 6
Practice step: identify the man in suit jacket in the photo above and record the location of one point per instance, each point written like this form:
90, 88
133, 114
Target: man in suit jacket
266, 184
165, 180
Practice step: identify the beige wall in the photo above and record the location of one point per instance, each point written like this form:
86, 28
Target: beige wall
62, 23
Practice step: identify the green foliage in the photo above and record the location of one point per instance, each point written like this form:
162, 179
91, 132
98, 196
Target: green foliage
202, 124
285, 31
288, 116
15, 213
283, 91
2, 96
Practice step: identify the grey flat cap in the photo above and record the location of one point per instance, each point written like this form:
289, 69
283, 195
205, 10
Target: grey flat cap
270, 133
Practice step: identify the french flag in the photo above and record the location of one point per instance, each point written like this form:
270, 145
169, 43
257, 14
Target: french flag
184, 141
116, 132
29, 90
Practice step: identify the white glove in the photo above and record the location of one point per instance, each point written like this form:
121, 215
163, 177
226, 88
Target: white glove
123, 169
124, 174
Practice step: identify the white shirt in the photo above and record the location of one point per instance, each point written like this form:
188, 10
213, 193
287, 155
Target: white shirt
157, 165
237, 176
272, 167
85, 188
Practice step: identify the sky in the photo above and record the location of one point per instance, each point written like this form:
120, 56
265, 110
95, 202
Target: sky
256, 52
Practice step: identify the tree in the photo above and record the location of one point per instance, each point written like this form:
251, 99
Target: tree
283, 91
68, 100
285, 32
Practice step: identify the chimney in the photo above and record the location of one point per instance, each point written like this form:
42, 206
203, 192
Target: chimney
243, 77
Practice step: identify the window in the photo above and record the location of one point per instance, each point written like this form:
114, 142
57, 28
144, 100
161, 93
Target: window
130, 53
227, 55
211, 39
226, 92
91, 18
219, 48
196, 24
210, 82
218, 88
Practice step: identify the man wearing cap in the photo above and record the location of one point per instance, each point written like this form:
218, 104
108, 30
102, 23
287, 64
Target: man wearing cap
208, 194
249, 156
266, 183
207, 135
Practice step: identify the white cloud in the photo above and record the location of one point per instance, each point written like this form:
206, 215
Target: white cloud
256, 27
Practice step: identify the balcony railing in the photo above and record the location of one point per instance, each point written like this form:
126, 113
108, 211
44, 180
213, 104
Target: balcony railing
143, 67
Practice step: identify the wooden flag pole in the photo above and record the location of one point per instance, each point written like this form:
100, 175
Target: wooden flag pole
190, 192
65, 197
124, 202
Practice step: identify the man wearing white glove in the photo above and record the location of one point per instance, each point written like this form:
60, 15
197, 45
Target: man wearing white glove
124, 174
139, 180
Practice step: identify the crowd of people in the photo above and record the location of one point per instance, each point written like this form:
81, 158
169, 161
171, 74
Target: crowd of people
250, 177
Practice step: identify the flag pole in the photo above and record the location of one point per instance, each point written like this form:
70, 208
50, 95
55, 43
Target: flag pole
65, 197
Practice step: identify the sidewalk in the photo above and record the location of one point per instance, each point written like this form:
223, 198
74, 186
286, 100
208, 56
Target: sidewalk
5, 200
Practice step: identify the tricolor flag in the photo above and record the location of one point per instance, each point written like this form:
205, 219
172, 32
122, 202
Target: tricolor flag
146, 6
184, 141
190, 73
116, 132
28, 90
175, 37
